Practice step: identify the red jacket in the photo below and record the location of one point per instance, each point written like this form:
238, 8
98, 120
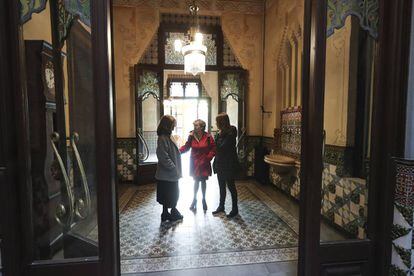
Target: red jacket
201, 154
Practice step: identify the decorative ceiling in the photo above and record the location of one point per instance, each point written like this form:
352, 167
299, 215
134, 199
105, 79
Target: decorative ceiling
206, 6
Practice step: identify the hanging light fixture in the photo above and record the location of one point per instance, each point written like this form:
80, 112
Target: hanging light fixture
194, 52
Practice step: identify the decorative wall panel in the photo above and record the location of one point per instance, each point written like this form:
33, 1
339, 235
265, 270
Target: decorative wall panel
290, 135
344, 201
28, 7
366, 10
289, 183
402, 234
231, 85
341, 157
211, 6
247, 158
175, 18
147, 84
229, 58
81, 9
126, 153
173, 57
150, 55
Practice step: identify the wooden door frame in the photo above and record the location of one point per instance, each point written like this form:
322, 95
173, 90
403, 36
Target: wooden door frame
392, 62
389, 114
13, 128
14, 143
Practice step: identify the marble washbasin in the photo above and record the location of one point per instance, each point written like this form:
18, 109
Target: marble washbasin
281, 163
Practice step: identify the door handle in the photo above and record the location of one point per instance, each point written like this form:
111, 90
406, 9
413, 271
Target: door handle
82, 207
146, 155
61, 211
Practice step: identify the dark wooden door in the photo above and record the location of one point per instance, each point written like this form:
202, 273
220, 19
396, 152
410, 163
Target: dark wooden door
60, 105
351, 126
148, 109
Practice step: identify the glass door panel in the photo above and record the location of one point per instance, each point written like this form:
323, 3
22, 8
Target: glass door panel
349, 73
63, 76
62, 141
150, 118
232, 109
232, 90
148, 108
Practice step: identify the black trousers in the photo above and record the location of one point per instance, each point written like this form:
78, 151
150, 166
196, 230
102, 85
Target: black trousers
232, 188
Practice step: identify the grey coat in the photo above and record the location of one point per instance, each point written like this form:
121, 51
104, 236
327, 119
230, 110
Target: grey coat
169, 160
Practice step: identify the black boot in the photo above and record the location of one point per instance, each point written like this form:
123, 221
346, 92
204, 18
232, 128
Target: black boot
193, 205
204, 205
175, 215
219, 209
233, 213
165, 216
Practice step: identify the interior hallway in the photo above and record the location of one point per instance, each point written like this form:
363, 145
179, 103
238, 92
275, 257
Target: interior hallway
261, 241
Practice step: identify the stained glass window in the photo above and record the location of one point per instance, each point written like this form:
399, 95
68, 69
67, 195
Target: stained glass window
231, 86
148, 84
173, 57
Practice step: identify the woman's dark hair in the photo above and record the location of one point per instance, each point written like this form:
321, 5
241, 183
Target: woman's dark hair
166, 125
223, 121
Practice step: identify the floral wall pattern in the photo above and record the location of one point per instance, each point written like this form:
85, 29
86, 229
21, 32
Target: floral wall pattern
366, 10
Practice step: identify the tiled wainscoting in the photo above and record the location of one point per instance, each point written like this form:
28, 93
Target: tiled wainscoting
127, 159
344, 201
290, 183
402, 234
126, 163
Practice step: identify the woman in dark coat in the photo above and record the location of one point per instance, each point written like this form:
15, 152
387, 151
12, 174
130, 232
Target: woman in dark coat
203, 150
168, 169
226, 163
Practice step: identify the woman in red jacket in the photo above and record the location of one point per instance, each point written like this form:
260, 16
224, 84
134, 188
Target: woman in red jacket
203, 150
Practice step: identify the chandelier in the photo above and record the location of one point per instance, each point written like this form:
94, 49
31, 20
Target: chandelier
194, 52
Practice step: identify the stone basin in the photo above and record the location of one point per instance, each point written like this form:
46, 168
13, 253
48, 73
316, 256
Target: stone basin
281, 163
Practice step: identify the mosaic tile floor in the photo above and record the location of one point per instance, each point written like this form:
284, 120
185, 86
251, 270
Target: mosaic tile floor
263, 232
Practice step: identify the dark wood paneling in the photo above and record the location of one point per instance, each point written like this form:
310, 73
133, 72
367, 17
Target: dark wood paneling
388, 125
108, 221
314, 46
14, 139
63, 268
77, 246
344, 269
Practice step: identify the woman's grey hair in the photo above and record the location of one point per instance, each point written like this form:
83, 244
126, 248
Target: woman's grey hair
201, 123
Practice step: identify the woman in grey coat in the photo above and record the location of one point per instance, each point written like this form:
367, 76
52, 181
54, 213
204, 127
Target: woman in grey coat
168, 169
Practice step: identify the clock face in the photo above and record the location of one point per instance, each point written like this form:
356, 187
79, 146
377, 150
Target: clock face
50, 78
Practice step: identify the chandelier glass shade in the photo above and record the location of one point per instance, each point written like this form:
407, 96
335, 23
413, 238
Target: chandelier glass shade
195, 52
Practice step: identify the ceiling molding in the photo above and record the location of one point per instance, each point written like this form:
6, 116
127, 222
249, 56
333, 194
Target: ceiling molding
213, 7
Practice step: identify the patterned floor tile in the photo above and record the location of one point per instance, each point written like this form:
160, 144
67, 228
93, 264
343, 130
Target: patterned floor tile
263, 232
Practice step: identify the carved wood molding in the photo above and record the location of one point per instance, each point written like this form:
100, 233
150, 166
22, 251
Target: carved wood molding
206, 6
